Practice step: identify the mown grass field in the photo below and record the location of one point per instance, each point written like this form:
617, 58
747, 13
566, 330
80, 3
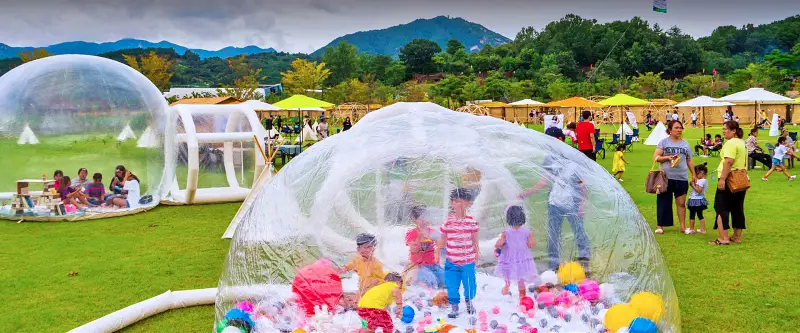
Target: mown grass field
750, 287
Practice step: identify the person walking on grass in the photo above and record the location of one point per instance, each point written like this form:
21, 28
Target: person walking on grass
675, 156
618, 165
781, 150
726, 203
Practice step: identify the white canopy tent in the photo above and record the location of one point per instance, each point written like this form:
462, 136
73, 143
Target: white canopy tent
659, 133
702, 102
757, 96
525, 102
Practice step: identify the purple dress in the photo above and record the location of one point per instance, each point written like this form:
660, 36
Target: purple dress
516, 260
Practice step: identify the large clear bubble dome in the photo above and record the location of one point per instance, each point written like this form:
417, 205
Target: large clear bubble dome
532, 235
70, 112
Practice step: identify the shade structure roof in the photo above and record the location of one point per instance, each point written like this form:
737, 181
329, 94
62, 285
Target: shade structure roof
494, 104
525, 102
756, 95
260, 106
574, 102
702, 101
623, 100
302, 102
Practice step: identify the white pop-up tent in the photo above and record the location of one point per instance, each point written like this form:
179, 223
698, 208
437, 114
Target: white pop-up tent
756, 96
148, 139
241, 125
659, 133
27, 137
702, 102
126, 133
774, 129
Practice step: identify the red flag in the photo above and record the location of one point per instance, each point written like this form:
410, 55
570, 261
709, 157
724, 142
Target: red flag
714, 72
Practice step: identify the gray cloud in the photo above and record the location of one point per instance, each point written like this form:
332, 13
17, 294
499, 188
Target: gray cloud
304, 25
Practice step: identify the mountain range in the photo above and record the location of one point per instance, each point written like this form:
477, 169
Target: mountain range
81, 47
439, 29
387, 41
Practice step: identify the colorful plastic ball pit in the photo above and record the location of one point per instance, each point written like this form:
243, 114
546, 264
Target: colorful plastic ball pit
547, 298
589, 290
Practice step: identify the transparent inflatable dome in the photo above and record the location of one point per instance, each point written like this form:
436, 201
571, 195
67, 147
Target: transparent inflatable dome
595, 265
70, 112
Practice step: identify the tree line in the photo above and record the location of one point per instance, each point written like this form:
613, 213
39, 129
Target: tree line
571, 56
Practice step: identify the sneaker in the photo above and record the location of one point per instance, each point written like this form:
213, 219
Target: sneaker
764, 179
792, 177
471, 309
701, 231
453, 312
620, 180
689, 231
659, 231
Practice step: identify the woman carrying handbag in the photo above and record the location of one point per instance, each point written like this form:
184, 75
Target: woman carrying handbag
675, 156
732, 186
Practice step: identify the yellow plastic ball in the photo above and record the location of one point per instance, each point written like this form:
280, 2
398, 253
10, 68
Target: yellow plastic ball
648, 305
619, 316
299, 330
571, 272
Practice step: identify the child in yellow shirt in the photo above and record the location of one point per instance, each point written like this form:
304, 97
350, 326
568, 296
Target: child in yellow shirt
372, 306
367, 267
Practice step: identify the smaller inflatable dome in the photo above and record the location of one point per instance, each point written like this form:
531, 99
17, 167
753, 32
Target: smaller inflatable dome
73, 112
375, 200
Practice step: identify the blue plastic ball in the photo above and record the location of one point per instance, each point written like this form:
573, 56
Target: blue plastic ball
642, 325
573, 288
241, 315
408, 314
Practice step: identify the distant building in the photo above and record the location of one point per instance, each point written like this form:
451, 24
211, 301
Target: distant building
186, 92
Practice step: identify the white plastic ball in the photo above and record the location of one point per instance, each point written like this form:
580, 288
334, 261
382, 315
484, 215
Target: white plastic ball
231, 329
606, 291
549, 277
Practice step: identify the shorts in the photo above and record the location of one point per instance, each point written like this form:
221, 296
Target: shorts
590, 154
376, 318
95, 201
776, 162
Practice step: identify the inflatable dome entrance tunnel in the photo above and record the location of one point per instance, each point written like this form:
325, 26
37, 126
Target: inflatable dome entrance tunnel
315, 249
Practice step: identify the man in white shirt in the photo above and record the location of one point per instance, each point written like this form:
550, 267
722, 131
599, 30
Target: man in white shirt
694, 119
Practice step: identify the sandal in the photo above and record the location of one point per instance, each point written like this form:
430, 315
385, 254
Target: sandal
659, 231
718, 242
735, 240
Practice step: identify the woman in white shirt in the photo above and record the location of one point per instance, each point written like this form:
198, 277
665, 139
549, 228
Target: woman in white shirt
130, 191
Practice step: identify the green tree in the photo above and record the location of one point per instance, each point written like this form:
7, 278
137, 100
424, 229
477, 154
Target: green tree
451, 89
453, 46
698, 84
472, 91
304, 75
159, 69
246, 80
27, 56
418, 56
342, 61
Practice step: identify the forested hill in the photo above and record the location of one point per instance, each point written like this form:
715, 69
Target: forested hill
439, 29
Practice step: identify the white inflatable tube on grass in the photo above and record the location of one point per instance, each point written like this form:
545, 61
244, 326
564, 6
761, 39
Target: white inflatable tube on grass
142, 310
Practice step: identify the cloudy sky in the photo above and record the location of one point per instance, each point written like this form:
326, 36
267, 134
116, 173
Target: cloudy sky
305, 25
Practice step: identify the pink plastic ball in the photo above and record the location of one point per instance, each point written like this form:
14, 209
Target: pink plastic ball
526, 303
482, 316
563, 298
496, 309
546, 297
590, 290
484, 327
245, 306
531, 313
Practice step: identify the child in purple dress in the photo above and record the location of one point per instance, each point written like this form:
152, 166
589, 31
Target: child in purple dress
515, 261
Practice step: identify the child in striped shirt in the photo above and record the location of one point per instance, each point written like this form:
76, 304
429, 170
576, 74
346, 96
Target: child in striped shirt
460, 241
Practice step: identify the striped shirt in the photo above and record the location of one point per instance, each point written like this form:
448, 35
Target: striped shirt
460, 249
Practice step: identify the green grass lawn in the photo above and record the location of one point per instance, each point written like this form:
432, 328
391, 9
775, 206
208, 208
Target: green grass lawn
121, 261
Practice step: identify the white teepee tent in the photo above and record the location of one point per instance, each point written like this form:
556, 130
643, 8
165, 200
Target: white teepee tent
27, 137
308, 134
658, 134
148, 139
773, 127
628, 130
126, 134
